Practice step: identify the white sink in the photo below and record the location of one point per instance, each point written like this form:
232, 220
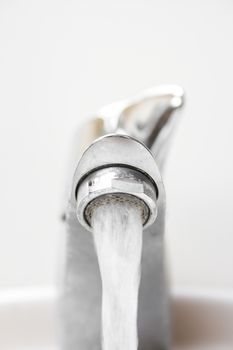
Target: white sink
201, 320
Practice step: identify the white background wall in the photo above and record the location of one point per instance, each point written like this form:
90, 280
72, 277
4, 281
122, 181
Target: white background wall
59, 62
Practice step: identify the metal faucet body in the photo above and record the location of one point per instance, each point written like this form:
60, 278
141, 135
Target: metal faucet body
133, 133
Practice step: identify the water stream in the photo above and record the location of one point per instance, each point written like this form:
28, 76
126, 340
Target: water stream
118, 240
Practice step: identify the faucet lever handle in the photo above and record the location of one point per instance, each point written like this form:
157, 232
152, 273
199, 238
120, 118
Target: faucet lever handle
148, 116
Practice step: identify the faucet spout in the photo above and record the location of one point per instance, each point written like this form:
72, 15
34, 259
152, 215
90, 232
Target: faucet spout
120, 156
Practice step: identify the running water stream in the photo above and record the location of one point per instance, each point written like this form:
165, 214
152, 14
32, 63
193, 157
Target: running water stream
118, 239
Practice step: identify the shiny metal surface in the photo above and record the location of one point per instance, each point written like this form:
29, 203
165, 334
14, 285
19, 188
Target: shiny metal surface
148, 117
135, 173
116, 149
120, 182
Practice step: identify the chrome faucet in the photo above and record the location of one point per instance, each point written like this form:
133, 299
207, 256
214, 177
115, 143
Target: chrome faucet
121, 153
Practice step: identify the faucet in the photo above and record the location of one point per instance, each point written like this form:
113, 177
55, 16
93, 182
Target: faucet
121, 153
